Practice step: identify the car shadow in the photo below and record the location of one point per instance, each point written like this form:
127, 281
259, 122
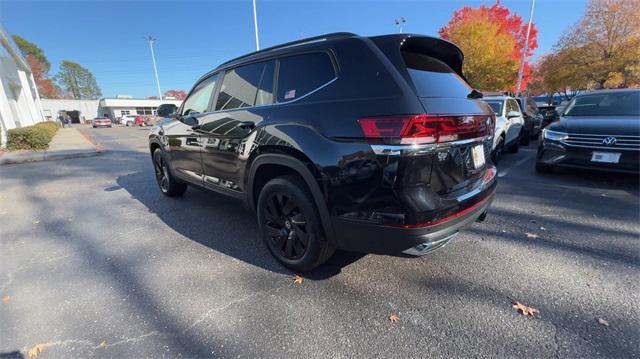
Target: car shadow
218, 222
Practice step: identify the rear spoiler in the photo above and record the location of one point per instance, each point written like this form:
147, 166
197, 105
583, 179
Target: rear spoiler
443, 50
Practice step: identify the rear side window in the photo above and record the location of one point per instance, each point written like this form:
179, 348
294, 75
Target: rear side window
496, 106
301, 74
434, 78
246, 86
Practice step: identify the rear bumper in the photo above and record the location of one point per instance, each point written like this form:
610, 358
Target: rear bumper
361, 236
555, 153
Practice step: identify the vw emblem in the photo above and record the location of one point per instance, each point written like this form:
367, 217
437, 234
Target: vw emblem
609, 141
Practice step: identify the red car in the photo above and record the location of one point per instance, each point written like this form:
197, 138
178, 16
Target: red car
101, 122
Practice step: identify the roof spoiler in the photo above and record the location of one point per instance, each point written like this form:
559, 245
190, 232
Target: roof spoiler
443, 50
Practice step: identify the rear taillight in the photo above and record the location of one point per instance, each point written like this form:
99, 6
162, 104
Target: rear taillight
423, 128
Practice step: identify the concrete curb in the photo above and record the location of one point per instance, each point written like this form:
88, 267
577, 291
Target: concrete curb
24, 157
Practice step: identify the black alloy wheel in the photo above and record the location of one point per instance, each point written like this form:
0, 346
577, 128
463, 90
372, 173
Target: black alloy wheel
168, 185
286, 226
290, 224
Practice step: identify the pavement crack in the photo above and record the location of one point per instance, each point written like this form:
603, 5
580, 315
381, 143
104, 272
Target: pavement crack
211, 311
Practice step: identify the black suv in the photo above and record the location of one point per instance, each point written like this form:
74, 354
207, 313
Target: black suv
532, 119
370, 144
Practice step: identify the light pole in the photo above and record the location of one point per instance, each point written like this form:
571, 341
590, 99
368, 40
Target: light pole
400, 22
151, 40
255, 25
524, 51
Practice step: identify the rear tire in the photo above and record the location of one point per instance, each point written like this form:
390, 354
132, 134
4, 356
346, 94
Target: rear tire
525, 140
169, 186
543, 168
290, 224
496, 155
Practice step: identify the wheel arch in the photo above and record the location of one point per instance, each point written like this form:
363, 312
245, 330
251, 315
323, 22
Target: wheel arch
289, 165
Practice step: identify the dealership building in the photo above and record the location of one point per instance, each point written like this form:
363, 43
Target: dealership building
85, 110
19, 99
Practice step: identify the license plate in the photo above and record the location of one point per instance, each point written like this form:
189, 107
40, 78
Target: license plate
477, 154
606, 157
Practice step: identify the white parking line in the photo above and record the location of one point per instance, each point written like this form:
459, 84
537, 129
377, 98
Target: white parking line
507, 170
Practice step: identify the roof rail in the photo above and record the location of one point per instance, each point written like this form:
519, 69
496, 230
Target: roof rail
330, 36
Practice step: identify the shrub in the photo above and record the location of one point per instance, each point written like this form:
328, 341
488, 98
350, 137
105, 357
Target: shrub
36, 137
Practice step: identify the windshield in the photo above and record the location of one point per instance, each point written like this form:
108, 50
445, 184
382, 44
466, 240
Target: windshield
496, 106
605, 104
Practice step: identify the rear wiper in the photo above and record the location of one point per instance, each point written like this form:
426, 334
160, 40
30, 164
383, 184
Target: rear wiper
474, 94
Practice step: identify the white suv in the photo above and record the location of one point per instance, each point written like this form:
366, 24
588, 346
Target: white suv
509, 125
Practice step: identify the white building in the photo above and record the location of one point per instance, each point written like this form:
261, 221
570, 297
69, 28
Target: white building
112, 108
19, 100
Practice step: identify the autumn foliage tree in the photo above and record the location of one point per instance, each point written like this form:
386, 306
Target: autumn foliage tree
601, 51
492, 39
40, 67
177, 94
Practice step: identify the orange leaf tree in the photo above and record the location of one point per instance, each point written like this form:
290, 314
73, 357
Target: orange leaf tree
492, 39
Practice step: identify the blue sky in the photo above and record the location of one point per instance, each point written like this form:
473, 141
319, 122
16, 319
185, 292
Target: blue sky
193, 37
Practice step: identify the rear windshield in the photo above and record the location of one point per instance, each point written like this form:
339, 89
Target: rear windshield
434, 78
605, 104
496, 106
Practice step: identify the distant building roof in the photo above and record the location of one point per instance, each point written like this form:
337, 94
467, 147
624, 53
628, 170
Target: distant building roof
122, 102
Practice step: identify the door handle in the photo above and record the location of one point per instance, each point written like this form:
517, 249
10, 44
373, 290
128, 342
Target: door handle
247, 124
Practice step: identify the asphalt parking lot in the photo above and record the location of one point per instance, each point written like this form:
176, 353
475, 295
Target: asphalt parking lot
96, 262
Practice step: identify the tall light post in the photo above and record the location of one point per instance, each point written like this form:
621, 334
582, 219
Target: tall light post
151, 40
255, 25
524, 51
400, 22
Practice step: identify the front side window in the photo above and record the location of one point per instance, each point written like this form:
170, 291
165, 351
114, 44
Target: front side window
299, 75
246, 86
198, 100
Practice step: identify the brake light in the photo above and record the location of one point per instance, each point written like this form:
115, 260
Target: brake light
423, 128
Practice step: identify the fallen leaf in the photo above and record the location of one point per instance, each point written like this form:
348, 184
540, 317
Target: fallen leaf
393, 318
603, 322
103, 344
37, 349
297, 279
36, 222
524, 310
543, 229
531, 235
5, 298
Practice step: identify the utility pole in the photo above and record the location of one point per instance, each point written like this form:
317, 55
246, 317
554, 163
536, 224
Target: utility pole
400, 22
255, 25
151, 40
524, 51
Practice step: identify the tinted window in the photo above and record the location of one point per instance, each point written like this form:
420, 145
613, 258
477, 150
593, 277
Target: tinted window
434, 78
496, 106
606, 104
298, 75
247, 86
198, 100
512, 105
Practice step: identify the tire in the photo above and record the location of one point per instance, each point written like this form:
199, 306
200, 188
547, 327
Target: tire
525, 140
129, 124
290, 224
169, 185
515, 147
543, 168
496, 154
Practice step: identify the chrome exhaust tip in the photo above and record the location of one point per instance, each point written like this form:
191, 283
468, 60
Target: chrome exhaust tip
424, 248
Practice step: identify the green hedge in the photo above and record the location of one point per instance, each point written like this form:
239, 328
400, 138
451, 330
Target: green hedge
36, 137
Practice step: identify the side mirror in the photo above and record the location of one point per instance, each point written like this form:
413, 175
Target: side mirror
513, 114
166, 110
190, 121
